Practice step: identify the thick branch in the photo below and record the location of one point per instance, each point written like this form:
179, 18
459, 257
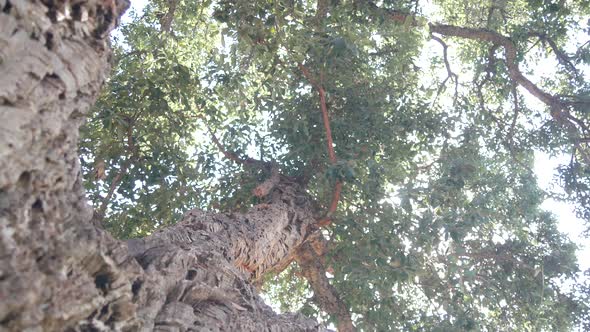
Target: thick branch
309, 259
511, 59
166, 20
259, 239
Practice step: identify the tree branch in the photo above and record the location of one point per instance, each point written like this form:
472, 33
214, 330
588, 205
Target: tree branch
515, 116
230, 154
511, 55
562, 58
558, 108
309, 257
330, 144
450, 73
99, 213
556, 105
166, 20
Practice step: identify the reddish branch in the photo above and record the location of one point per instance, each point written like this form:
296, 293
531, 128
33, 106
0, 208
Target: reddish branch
309, 255
326, 220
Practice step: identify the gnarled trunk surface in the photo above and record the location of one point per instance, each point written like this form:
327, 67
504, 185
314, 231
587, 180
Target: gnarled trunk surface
58, 270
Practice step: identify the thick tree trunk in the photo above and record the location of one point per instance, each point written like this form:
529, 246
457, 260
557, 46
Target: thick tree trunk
59, 271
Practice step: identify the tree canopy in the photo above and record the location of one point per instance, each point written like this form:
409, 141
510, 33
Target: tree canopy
412, 126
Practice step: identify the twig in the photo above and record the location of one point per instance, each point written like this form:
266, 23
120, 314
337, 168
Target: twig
450, 73
515, 117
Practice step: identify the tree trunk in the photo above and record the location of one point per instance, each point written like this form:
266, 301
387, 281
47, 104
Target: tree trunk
59, 271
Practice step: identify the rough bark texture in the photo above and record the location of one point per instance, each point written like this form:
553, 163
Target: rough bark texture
310, 258
59, 271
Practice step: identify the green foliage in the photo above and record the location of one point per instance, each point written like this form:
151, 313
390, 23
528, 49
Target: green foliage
291, 292
439, 226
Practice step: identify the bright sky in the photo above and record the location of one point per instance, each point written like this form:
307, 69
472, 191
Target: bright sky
545, 166
137, 6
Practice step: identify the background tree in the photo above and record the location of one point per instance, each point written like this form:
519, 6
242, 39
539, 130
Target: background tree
338, 143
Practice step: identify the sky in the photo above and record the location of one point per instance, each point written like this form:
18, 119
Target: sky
545, 165
545, 168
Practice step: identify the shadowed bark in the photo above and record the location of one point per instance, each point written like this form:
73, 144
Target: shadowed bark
59, 270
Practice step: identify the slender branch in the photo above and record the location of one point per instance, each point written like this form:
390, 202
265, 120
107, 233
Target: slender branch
580, 123
230, 154
581, 49
450, 73
308, 76
326, 119
563, 59
326, 220
101, 211
515, 117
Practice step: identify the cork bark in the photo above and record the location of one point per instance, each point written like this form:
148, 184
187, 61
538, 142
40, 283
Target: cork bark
59, 271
